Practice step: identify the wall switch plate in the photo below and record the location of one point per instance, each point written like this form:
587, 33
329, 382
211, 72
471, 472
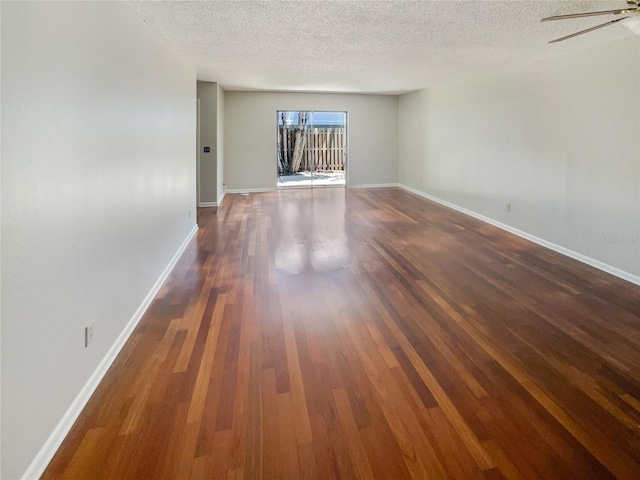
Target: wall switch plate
508, 207
88, 335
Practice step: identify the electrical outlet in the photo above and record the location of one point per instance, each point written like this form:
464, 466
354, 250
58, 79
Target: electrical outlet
189, 213
88, 335
508, 207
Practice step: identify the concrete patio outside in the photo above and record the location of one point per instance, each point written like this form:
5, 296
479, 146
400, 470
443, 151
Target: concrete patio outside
316, 179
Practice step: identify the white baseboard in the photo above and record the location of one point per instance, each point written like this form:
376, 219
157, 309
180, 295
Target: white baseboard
375, 185
212, 204
50, 447
249, 190
629, 277
260, 190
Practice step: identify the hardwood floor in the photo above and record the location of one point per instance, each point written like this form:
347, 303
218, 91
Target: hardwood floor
368, 334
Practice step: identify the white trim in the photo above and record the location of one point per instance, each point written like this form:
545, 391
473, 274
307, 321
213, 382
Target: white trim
50, 447
375, 185
249, 190
629, 277
213, 204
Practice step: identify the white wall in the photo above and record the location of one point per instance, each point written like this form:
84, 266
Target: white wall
220, 144
208, 170
251, 131
558, 139
98, 178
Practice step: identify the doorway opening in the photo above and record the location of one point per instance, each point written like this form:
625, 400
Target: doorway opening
312, 149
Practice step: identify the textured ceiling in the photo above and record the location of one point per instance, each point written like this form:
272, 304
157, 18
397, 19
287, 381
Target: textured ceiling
365, 46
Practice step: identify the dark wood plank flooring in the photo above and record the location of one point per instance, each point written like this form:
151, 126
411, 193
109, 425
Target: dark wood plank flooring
368, 334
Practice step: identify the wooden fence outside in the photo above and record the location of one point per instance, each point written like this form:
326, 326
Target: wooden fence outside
324, 148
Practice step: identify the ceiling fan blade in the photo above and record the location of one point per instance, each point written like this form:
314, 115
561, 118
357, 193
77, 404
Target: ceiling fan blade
591, 14
588, 30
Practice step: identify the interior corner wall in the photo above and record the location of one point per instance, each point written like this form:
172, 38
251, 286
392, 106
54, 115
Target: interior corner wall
98, 196
220, 144
250, 136
557, 139
208, 168
412, 128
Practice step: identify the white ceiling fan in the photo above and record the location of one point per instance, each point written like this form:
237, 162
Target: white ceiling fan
631, 19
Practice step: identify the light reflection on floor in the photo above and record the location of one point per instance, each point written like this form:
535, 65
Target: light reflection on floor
312, 233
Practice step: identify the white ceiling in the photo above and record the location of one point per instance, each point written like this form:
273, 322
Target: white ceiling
365, 46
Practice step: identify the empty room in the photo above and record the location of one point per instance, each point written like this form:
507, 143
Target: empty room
320, 239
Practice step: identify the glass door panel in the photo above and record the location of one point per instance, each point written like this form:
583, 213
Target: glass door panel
295, 168
311, 149
328, 144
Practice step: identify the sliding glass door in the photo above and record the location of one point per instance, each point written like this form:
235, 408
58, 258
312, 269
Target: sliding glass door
312, 149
